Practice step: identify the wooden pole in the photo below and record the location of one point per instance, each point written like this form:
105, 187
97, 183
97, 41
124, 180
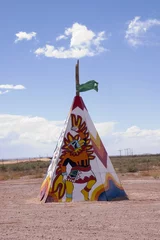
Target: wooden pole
77, 76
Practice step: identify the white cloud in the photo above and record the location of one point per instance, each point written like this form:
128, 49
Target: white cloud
29, 129
10, 87
22, 136
80, 35
137, 31
83, 42
105, 128
4, 92
25, 36
141, 140
61, 37
136, 132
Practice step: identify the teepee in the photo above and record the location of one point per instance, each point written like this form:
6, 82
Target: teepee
80, 169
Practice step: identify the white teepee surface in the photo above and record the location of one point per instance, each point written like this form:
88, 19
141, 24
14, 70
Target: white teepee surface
80, 169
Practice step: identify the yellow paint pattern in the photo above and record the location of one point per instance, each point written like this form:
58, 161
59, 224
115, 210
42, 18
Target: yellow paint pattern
96, 140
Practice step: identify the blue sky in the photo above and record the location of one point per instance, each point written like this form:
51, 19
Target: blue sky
125, 62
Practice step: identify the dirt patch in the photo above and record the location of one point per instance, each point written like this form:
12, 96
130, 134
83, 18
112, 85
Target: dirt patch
22, 216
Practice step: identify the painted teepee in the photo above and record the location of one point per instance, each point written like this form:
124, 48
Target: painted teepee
80, 169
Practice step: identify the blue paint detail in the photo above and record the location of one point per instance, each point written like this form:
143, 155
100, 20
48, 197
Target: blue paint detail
112, 193
68, 195
64, 173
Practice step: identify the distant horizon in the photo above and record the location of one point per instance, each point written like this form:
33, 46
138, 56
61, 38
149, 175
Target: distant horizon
49, 157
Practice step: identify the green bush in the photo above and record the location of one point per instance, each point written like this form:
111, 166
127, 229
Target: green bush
3, 168
132, 168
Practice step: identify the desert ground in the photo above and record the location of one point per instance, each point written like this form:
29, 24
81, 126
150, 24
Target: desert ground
23, 216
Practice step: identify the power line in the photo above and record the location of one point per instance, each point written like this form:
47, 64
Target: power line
120, 152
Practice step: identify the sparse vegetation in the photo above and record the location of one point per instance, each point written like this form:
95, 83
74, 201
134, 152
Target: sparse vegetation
136, 163
132, 168
145, 165
16, 170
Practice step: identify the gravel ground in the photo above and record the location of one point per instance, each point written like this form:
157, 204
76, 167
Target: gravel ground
22, 216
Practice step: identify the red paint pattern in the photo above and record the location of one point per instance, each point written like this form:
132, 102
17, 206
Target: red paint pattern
100, 152
78, 102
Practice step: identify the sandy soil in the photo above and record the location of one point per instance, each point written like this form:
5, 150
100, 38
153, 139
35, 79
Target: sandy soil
22, 216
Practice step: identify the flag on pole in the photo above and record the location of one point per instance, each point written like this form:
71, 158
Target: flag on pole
87, 86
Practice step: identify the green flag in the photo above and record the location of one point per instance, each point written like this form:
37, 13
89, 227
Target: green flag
87, 86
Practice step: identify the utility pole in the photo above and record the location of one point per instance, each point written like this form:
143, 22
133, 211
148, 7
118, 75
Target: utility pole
126, 151
120, 151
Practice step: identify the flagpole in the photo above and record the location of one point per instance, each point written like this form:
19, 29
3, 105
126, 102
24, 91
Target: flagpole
77, 76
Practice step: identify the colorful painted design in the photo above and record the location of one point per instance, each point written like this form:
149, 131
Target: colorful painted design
99, 149
45, 187
78, 152
109, 190
80, 169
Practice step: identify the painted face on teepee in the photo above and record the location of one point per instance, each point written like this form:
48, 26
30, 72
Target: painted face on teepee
73, 144
76, 145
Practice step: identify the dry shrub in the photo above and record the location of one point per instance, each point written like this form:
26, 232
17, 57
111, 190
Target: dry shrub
17, 170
